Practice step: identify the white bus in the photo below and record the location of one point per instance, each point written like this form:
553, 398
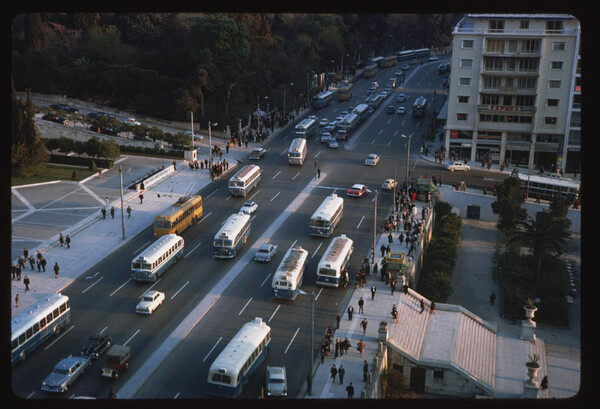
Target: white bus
327, 216
152, 262
362, 110
37, 323
548, 186
334, 261
288, 277
245, 352
305, 128
244, 180
297, 152
322, 99
232, 236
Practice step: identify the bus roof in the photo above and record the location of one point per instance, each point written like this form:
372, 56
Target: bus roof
550, 181
178, 206
156, 249
232, 226
329, 206
35, 312
333, 254
245, 172
297, 144
292, 264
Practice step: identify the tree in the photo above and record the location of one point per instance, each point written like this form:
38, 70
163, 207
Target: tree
508, 203
92, 146
109, 149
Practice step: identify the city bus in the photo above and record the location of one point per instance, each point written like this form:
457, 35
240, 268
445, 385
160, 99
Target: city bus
232, 236
418, 110
370, 71
421, 53
334, 261
405, 55
362, 110
345, 91
388, 61
185, 212
297, 151
37, 323
245, 352
305, 128
546, 187
327, 216
290, 273
322, 99
244, 180
153, 261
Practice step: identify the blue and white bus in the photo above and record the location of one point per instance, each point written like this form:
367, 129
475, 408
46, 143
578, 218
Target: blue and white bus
327, 216
37, 323
297, 151
334, 261
244, 180
290, 273
152, 262
323, 99
245, 352
305, 128
232, 236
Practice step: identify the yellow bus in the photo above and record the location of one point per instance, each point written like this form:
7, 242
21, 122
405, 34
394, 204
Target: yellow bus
186, 211
345, 91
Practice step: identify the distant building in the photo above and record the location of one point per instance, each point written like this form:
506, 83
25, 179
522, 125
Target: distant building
515, 91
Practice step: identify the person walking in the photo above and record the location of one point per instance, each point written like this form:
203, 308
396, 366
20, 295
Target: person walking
32, 262
347, 345
361, 347
422, 306
337, 347
363, 325
394, 313
56, 270
373, 291
112, 212
341, 373
333, 372
128, 212
17, 300
365, 371
43, 264
382, 248
141, 198
375, 269
103, 211
350, 390
392, 286
26, 282
322, 354
350, 313
61, 239
13, 271
68, 241
432, 307
338, 318
361, 305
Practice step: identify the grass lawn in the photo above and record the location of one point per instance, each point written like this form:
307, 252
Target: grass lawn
52, 173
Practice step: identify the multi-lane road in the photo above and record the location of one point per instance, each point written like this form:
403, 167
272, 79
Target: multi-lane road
287, 196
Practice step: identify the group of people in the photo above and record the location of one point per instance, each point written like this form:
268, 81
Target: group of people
34, 261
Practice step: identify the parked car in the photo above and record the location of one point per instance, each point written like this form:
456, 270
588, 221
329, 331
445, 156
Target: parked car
249, 208
117, 360
358, 190
65, 373
60, 120
266, 252
389, 184
48, 117
65, 107
458, 166
96, 345
276, 382
150, 301
257, 153
372, 159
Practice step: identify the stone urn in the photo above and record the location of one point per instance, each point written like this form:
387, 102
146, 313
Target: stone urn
533, 366
383, 331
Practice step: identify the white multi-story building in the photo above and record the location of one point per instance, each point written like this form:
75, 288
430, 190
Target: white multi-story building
514, 91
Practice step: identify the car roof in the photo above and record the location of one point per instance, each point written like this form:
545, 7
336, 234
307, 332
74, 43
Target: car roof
358, 186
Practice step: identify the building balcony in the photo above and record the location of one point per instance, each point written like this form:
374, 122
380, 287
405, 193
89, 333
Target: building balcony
505, 108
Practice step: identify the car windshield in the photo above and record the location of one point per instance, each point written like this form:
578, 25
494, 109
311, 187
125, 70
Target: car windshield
276, 380
62, 371
147, 298
263, 250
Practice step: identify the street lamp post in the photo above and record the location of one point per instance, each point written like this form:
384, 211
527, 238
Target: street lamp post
312, 334
210, 144
407, 155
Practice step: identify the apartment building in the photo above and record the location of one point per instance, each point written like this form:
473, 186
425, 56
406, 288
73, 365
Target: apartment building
515, 91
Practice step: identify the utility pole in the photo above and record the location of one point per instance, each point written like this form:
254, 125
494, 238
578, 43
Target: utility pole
374, 228
312, 336
122, 211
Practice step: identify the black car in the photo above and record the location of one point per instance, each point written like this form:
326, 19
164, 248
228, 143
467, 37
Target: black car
96, 345
60, 120
49, 117
65, 107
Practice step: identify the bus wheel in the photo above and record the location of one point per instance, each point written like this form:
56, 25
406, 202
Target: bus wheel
23, 355
57, 330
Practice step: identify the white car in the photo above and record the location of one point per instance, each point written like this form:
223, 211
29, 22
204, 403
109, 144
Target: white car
389, 184
325, 137
458, 166
276, 381
372, 159
151, 300
249, 208
332, 143
323, 122
401, 110
358, 190
65, 373
266, 252
132, 121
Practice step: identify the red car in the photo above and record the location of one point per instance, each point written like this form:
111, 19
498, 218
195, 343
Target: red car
358, 190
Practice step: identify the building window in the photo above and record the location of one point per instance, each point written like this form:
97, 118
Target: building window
550, 120
465, 81
554, 27
524, 24
556, 65
554, 84
530, 46
463, 99
493, 45
438, 374
552, 102
466, 63
558, 46
467, 44
496, 26
461, 117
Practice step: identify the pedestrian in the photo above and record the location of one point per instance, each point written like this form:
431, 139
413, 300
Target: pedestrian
56, 270
365, 371
337, 321
141, 198
361, 347
350, 312
543, 384
422, 305
363, 324
322, 354
373, 291
341, 373
61, 239
361, 304
13, 271
17, 300
492, 298
103, 211
31, 262
347, 345
43, 263
18, 271
350, 390
319, 172
333, 372
382, 248
112, 212
25, 253
68, 241
394, 313
26, 282
375, 269
128, 212
337, 347
432, 307
392, 286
